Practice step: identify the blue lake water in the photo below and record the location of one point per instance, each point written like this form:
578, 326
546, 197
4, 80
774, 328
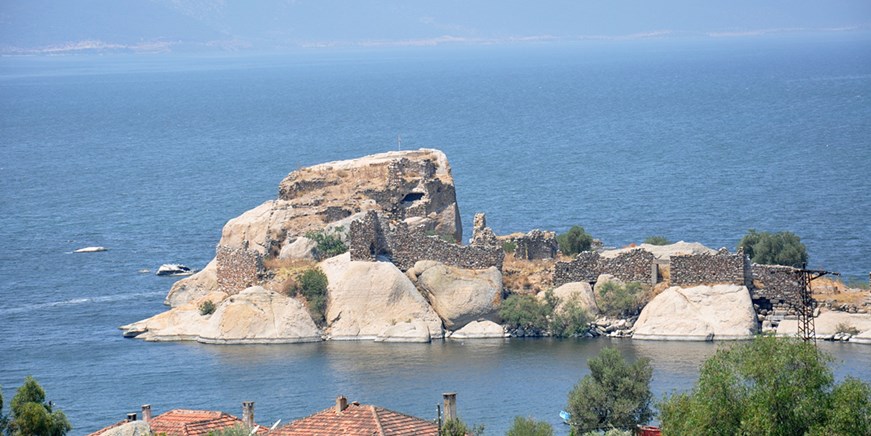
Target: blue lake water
150, 155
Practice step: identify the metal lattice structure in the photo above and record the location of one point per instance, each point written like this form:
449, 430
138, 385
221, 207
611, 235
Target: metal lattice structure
806, 304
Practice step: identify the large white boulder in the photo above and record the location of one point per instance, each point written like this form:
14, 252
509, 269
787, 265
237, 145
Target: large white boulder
664, 252
828, 322
368, 298
700, 313
253, 316
194, 287
260, 316
581, 292
479, 330
414, 331
300, 248
459, 295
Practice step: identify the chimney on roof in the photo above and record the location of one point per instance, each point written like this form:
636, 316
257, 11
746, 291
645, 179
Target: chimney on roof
131, 417
248, 413
341, 404
146, 412
450, 405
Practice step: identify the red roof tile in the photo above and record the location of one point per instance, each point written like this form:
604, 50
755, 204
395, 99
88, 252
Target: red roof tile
183, 422
359, 420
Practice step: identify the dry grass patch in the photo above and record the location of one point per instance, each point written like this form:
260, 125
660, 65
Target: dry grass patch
527, 276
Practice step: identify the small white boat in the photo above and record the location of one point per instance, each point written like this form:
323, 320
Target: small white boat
91, 250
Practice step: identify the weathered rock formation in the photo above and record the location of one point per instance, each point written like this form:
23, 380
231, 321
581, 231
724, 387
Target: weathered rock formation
458, 295
701, 313
253, 316
194, 287
368, 298
480, 330
828, 323
664, 252
582, 292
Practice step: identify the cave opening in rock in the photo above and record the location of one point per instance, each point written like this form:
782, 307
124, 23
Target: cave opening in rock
411, 197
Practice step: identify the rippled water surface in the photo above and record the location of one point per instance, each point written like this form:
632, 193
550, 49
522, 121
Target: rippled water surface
151, 155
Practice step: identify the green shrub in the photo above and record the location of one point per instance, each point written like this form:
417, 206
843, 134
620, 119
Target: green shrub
848, 328
313, 286
456, 427
525, 311
529, 427
574, 241
207, 307
329, 243
571, 320
657, 240
615, 394
783, 248
509, 246
769, 386
619, 300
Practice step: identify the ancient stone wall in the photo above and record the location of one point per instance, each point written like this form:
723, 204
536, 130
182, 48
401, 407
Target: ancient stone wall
372, 236
238, 269
700, 269
536, 245
632, 266
780, 285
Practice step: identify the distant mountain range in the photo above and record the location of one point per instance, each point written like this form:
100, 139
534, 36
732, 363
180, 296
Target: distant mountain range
50, 26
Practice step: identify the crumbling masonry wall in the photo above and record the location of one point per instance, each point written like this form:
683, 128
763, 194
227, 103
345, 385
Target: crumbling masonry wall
238, 269
704, 269
536, 245
632, 266
781, 286
373, 236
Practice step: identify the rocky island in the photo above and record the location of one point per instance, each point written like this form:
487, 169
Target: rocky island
369, 249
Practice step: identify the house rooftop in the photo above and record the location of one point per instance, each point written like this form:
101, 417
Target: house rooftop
184, 422
358, 420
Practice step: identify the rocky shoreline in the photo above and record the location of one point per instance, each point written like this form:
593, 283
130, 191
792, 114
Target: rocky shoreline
384, 231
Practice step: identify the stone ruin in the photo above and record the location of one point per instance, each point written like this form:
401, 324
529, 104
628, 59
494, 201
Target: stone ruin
374, 237
709, 269
536, 244
633, 266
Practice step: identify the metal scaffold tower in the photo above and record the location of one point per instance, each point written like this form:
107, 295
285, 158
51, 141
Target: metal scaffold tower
806, 304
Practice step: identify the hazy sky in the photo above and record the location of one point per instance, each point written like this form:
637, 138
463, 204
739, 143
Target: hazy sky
177, 25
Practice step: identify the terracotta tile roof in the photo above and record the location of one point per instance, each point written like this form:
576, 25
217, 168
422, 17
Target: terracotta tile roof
183, 422
358, 420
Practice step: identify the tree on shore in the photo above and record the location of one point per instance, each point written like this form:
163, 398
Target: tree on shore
31, 415
574, 241
770, 386
782, 248
529, 427
615, 394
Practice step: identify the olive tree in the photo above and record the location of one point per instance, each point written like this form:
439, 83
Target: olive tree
574, 241
31, 415
782, 248
770, 386
616, 394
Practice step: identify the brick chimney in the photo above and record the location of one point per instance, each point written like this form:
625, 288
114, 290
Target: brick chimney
341, 404
131, 417
450, 405
146, 412
248, 413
